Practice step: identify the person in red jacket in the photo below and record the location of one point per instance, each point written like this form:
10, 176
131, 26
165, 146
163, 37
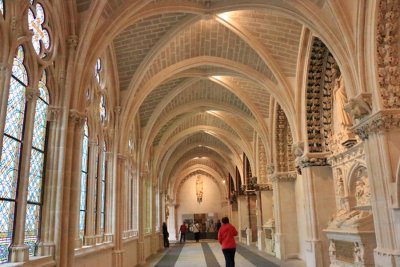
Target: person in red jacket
183, 230
226, 237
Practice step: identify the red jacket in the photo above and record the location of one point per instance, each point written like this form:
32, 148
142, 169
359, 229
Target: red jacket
226, 236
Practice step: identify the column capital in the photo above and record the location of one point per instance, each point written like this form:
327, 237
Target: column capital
122, 156
380, 122
117, 110
31, 94
53, 113
284, 177
77, 117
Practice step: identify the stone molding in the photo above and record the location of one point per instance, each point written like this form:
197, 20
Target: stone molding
355, 152
284, 177
380, 122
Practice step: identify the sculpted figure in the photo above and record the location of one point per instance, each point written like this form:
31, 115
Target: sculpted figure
341, 120
362, 190
357, 253
332, 251
340, 184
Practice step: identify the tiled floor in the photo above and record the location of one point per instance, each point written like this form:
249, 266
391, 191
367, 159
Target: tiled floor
208, 253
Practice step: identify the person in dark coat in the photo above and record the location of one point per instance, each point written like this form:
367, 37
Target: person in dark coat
165, 235
217, 227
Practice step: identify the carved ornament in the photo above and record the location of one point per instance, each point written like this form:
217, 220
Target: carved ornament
53, 113
77, 117
312, 160
380, 122
360, 106
284, 177
72, 41
31, 94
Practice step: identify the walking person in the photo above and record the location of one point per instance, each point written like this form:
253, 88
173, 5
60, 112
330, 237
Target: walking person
196, 231
183, 230
165, 235
226, 237
218, 227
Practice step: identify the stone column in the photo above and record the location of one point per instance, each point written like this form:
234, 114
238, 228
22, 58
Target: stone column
89, 238
154, 237
286, 236
118, 251
99, 204
5, 76
381, 135
171, 222
141, 252
46, 246
319, 203
108, 226
243, 214
18, 250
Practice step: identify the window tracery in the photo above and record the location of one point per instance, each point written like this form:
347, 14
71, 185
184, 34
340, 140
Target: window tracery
37, 23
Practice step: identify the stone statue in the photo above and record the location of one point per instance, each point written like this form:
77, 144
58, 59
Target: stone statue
341, 119
339, 184
362, 191
358, 257
332, 251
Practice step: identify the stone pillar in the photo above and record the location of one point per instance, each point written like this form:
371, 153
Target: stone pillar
118, 251
108, 227
319, 203
172, 222
154, 236
18, 250
243, 214
286, 236
381, 135
141, 252
90, 238
51, 207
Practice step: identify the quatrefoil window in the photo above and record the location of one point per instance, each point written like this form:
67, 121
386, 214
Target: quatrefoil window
41, 36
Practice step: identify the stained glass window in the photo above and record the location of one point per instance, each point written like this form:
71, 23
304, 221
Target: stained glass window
98, 70
103, 188
36, 171
11, 149
103, 112
95, 185
41, 37
1, 7
84, 175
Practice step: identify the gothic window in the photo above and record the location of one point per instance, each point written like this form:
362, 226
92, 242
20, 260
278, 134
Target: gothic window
1, 7
98, 69
84, 176
103, 188
36, 170
96, 179
103, 110
11, 149
37, 22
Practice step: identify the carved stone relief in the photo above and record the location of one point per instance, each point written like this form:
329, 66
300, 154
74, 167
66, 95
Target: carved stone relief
388, 43
284, 139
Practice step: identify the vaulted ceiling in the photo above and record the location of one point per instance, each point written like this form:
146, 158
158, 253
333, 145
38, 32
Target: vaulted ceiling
202, 84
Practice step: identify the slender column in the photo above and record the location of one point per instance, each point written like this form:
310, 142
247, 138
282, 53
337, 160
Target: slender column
154, 237
46, 246
319, 203
286, 236
99, 204
108, 227
5, 76
18, 250
141, 252
118, 252
259, 216
381, 135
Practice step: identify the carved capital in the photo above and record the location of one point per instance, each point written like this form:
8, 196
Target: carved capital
77, 117
270, 169
117, 110
360, 106
298, 149
53, 113
31, 94
122, 156
284, 177
382, 121
109, 156
72, 41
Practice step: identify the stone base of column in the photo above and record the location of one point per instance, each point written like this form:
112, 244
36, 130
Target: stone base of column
314, 253
99, 239
19, 253
46, 249
160, 242
118, 258
260, 240
279, 248
154, 244
386, 258
141, 257
108, 238
78, 243
89, 240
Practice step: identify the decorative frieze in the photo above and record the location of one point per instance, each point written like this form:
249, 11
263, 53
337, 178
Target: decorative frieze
382, 121
388, 44
284, 177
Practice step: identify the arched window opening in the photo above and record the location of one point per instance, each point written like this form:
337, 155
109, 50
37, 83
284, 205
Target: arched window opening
98, 69
84, 176
37, 24
11, 150
2, 7
103, 109
36, 170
